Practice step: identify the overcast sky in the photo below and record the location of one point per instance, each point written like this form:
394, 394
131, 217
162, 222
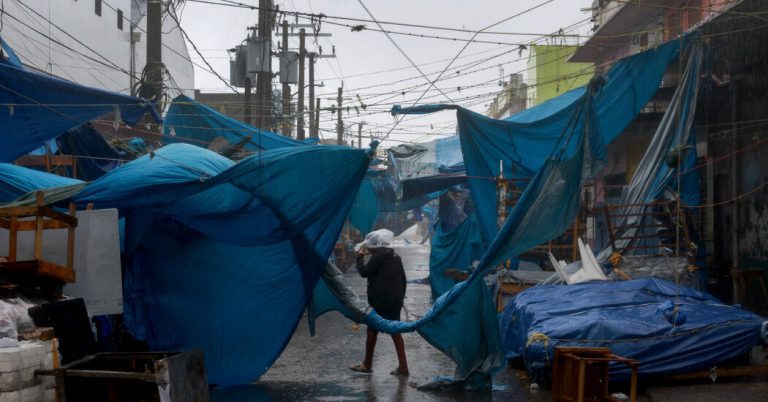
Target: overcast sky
362, 56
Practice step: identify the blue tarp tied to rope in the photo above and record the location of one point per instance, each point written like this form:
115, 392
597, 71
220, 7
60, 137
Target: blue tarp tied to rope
190, 121
41, 107
524, 141
632, 318
224, 256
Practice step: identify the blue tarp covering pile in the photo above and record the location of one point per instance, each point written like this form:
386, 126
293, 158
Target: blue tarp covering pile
190, 121
41, 107
636, 319
221, 256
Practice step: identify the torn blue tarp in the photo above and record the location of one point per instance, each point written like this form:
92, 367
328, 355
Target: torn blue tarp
365, 209
40, 107
223, 256
95, 156
673, 144
524, 141
9, 56
426, 168
193, 122
633, 319
454, 248
16, 181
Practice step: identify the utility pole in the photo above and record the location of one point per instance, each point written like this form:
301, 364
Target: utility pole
153, 87
264, 78
360, 135
317, 118
286, 88
339, 123
300, 108
312, 133
247, 100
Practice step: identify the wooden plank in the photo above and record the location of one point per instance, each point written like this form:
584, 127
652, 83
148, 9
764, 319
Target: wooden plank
71, 239
12, 239
38, 238
41, 160
148, 377
56, 271
47, 224
611, 230
18, 212
52, 214
40, 268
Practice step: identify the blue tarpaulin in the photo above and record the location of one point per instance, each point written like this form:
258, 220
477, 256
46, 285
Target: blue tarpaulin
190, 121
223, 256
456, 248
633, 319
524, 141
95, 155
40, 107
16, 181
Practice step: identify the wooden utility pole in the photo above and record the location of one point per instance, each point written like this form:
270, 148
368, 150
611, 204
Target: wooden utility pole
153, 87
317, 118
339, 123
312, 133
300, 108
247, 100
264, 78
286, 88
360, 135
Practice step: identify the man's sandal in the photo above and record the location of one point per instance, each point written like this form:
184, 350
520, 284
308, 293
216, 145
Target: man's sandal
359, 368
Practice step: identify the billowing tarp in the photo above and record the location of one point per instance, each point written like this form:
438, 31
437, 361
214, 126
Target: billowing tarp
41, 107
524, 141
16, 181
193, 122
224, 256
635, 319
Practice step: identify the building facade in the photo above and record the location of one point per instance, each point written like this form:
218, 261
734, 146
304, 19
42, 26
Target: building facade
732, 106
550, 74
512, 98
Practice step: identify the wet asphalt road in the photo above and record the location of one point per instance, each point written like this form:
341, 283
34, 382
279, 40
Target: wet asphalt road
315, 369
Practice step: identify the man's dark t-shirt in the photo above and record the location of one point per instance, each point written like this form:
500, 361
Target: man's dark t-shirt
386, 281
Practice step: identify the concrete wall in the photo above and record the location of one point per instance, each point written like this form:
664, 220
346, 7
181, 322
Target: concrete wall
96, 263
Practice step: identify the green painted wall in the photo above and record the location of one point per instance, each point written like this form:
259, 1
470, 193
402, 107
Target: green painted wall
550, 74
